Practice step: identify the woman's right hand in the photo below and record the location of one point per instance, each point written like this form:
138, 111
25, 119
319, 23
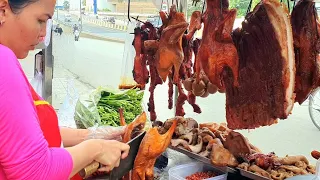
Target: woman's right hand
111, 153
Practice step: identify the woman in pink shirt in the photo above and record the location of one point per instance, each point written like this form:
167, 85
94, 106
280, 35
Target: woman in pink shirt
25, 152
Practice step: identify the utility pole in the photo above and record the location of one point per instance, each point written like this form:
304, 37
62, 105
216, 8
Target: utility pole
80, 15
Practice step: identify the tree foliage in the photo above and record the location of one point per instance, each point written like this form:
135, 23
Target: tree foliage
240, 5
66, 5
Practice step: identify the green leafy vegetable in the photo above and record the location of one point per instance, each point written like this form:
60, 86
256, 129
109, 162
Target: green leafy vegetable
109, 104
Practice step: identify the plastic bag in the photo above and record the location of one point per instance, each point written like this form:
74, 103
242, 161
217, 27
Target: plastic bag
66, 112
106, 132
37, 82
126, 79
91, 111
86, 113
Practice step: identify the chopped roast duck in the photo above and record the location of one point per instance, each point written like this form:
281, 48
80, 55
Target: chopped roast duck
274, 167
151, 147
217, 50
306, 29
266, 69
132, 130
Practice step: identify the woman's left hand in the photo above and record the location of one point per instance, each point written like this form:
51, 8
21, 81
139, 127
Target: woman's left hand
106, 132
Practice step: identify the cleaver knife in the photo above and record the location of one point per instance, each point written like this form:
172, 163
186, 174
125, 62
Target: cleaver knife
125, 166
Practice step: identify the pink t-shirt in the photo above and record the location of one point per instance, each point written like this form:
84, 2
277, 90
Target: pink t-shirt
24, 153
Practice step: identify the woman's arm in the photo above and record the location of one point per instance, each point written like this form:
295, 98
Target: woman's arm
71, 137
24, 152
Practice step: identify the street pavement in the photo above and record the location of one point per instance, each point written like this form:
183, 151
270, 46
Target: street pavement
91, 28
93, 63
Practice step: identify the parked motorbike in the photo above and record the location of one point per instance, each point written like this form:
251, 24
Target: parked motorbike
76, 35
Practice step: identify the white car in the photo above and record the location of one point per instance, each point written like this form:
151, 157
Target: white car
67, 18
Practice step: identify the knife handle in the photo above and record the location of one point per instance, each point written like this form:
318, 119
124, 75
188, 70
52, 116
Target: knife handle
89, 170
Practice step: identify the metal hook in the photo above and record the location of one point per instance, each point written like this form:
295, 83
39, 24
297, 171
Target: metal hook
315, 18
138, 20
160, 10
221, 5
249, 7
129, 10
177, 2
204, 4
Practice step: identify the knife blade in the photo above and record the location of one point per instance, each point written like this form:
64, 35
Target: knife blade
125, 164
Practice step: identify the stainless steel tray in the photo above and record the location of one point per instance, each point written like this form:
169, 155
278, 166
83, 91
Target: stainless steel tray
251, 175
203, 159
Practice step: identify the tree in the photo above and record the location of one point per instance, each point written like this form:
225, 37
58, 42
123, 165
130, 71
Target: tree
84, 2
66, 5
192, 8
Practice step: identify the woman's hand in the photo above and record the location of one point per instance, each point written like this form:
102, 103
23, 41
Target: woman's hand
111, 153
106, 132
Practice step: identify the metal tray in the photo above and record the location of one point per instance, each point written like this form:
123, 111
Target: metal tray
251, 175
203, 159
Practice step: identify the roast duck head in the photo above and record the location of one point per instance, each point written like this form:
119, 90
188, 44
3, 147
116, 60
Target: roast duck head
134, 128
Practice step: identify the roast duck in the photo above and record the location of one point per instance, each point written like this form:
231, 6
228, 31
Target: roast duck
217, 50
168, 53
152, 146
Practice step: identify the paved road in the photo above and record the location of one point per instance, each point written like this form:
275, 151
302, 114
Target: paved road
100, 63
93, 29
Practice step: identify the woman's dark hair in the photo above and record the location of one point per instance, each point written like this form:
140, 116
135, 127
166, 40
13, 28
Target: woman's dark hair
17, 5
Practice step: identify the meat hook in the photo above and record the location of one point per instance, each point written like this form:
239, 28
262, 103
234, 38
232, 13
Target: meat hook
221, 5
315, 18
288, 4
129, 10
294, 4
249, 7
204, 4
137, 20
161, 8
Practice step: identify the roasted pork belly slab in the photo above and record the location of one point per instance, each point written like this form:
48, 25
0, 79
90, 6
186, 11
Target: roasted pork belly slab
305, 28
266, 69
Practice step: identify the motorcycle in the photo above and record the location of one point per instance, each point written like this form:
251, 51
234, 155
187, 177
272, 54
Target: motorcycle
76, 35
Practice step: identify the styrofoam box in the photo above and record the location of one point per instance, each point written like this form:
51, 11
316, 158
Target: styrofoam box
182, 171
